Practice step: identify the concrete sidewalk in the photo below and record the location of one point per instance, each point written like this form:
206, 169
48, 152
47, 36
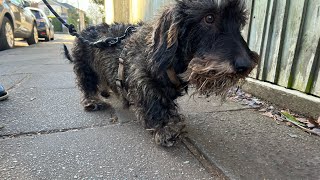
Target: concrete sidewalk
247, 145
47, 135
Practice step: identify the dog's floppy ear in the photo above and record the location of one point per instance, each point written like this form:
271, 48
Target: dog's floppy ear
165, 41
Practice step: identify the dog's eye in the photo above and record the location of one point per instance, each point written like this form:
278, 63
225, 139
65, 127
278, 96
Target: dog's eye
209, 19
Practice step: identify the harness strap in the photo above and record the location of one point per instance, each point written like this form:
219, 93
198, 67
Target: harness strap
120, 78
173, 77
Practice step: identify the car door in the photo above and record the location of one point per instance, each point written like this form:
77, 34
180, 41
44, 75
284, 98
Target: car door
24, 19
48, 22
15, 6
28, 22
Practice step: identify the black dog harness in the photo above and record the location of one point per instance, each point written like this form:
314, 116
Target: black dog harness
111, 42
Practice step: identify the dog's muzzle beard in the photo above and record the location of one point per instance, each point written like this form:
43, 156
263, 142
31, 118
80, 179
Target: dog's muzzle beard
210, 77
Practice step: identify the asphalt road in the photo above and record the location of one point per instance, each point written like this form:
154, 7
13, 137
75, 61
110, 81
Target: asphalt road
45, 134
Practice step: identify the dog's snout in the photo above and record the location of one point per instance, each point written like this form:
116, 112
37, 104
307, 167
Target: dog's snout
242, 65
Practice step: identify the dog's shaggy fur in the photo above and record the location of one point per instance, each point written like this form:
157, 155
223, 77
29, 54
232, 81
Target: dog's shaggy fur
199, 41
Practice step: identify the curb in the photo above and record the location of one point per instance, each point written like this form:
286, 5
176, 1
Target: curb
296, 101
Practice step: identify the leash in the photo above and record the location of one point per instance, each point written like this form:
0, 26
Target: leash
102, 43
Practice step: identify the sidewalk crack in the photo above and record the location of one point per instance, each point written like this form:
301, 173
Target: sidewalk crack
19, 82
54, 131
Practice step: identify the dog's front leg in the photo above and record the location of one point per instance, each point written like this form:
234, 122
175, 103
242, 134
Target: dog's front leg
169, 134
161, 116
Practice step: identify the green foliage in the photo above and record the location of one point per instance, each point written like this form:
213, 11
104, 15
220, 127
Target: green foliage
292, 119
99, 2
73, 17
87, 20
56, 23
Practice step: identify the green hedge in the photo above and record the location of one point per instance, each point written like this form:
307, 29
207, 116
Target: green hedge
56, 23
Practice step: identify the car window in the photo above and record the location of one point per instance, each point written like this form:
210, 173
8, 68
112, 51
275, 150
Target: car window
42, 14
17, 2
45, 17
37, 14
47, 11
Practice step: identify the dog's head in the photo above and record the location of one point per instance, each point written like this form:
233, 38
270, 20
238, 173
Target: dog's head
202, 38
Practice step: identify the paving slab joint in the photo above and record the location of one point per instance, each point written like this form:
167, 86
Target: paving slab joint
19, 82
210, 166
52, 131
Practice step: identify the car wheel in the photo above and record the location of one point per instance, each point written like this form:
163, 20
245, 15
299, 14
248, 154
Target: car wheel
47, 38
34, 38
52, 37
6, 35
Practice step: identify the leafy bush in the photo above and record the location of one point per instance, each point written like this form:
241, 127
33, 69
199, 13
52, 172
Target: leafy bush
56, 23
73, 17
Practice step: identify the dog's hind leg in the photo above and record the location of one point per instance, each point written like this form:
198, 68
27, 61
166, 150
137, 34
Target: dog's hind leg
88, 82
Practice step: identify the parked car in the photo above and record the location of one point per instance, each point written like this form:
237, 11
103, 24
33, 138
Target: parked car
16, 21
45, 26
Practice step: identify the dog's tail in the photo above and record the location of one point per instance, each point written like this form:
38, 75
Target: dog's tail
67, 53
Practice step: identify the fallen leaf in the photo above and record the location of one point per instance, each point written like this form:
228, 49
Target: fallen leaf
276, 112
257, 101
292, 119
310, 125
268, 114
316, 131
255, 106
114, 120
263, 110
270, 108
278, 118
293, 135
303, 120
244, 102
289, 124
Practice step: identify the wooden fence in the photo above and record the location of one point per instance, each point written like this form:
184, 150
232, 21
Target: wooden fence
286, 33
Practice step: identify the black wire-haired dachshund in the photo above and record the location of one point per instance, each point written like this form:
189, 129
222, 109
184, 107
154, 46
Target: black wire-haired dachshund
195, 42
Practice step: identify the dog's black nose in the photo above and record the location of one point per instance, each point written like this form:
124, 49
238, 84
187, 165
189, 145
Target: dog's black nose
242, 65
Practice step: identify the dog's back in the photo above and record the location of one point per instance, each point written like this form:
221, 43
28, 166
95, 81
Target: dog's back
88, 60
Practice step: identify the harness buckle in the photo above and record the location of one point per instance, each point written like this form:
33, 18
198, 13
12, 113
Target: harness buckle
119, 83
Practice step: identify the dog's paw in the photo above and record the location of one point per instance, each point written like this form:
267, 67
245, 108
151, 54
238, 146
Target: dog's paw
93, 105
168, 135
